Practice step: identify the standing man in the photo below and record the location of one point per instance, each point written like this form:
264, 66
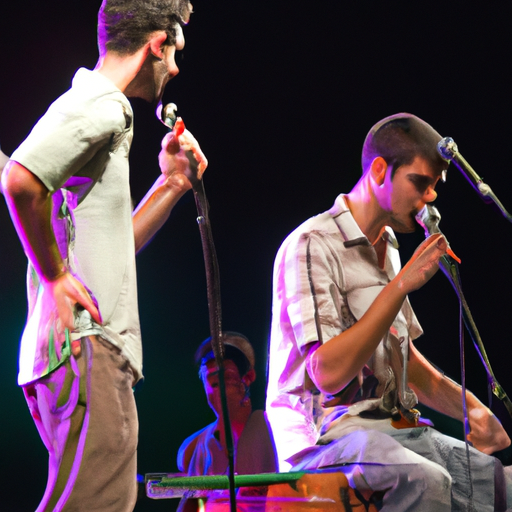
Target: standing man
67, 188
344, 374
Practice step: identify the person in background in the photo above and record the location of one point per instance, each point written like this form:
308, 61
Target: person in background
204, 452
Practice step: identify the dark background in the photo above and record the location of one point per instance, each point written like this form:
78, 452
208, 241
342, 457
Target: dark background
281, 95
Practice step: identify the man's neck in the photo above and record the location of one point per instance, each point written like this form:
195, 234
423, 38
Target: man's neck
369, 216
121, 70
366, 211
238, 419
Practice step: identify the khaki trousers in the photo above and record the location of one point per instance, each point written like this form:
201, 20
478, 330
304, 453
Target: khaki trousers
86, 416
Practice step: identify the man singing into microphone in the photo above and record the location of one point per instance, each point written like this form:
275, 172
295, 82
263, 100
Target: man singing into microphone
67, 188
344, 373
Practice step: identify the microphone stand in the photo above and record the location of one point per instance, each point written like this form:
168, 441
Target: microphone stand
450, 269
448, 149
167, 115
215, 316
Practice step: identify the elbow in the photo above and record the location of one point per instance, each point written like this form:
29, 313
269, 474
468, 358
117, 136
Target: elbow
19, 184
327, 377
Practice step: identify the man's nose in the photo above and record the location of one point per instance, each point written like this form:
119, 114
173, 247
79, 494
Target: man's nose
173, 69
430, 195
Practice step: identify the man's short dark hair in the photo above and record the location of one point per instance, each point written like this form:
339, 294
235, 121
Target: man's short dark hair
399, 139
237, 348
124, 26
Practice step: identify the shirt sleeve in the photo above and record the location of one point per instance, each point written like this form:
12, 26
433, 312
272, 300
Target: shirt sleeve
312, 290
69, 134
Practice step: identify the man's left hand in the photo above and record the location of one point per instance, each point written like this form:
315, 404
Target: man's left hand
487, 434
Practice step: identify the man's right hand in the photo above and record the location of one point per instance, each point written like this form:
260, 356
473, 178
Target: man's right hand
181, 159
423, 264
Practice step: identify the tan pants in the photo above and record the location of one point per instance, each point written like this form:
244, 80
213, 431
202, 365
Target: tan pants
86, 416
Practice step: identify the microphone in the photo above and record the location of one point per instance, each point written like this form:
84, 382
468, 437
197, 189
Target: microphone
167, 115
428, 218
448, 149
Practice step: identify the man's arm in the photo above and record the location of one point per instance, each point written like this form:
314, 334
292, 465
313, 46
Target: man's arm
182, 162
335, 363
444, 395
30, 205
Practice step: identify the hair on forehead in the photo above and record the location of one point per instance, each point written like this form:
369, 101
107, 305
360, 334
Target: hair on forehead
399, 139
124, 26
237, 348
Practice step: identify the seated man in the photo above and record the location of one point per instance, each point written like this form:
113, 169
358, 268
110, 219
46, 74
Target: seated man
344, 374
204, 453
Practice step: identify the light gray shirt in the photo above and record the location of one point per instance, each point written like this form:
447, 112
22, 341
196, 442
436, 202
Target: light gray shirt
79, 149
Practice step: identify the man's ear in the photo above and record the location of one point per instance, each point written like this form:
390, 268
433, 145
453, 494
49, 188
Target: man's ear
249, 377
378, 170
156, 42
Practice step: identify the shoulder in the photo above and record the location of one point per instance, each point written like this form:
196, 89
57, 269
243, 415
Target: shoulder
190, 444
256, 452
257, 428
94, 104
316, 228
314, 241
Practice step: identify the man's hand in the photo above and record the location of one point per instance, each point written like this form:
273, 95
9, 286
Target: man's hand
66, 292
423, 264
487, 434
182, 164
181, 159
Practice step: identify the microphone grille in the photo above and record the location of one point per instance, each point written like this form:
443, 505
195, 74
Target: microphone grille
428, 218
447, 148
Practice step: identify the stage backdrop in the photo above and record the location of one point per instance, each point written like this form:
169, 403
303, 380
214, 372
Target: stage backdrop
281, 95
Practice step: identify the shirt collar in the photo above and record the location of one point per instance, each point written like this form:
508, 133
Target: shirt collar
350, 230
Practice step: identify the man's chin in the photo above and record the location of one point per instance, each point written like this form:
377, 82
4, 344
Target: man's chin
404, 227
148, 96
151, 101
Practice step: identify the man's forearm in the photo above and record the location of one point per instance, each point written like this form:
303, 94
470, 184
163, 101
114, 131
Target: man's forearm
433, 388
30, 205
154, 210
444, 395
335, 363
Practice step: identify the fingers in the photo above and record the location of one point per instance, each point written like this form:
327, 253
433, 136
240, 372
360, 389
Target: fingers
171, 141
202, 162
423, 264
76, 347
189, 143
433, 242
84, 299
487, 433
67, 292
431, 250
180, 139
171, 144
179, 127
65, 311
